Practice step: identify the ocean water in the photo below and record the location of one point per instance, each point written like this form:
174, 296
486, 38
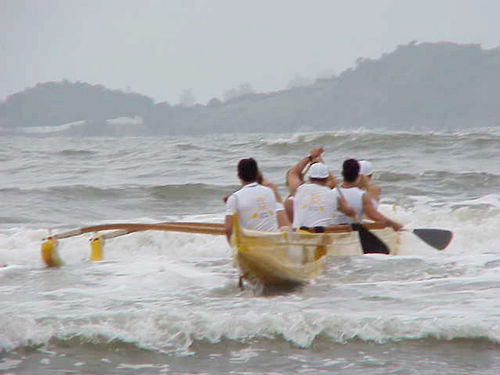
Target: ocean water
168, 303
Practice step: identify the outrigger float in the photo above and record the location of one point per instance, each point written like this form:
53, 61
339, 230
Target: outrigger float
267, 258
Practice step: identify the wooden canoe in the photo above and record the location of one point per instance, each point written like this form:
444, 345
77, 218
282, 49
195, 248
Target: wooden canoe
267, 258
296, 258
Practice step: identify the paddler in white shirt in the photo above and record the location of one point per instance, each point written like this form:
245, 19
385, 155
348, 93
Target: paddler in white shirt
358, 199
366, 183
295, 177
258, 207
315, 204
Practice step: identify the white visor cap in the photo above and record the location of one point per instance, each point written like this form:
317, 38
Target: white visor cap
318, 170
365, 168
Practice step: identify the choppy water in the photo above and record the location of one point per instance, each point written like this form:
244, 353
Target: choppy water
169, 302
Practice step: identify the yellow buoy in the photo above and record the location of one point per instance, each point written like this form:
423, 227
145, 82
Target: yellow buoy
96, 247
49, 253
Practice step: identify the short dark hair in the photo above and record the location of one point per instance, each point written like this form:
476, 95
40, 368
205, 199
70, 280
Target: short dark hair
350, 170
248, 170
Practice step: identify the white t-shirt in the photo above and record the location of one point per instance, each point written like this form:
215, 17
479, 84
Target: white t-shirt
354, 198
256, 207
314, 205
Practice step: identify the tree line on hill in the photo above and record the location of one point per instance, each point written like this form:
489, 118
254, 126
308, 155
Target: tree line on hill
418, 85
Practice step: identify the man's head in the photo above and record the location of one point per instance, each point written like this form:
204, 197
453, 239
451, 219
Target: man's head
318, 172
350, 170
248, 170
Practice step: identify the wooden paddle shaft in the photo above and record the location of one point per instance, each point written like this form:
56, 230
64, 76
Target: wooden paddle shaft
341, 228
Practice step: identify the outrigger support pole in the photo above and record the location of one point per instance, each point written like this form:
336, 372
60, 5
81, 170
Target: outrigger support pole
49, 248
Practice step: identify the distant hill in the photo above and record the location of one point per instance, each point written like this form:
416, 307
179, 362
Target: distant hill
57, 103
419, 85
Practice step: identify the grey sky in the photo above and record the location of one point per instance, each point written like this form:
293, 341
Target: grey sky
161, 48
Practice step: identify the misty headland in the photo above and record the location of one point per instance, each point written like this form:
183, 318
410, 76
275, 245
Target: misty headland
436, 86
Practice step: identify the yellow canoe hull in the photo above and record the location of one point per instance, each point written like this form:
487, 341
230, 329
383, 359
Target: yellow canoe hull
294, 258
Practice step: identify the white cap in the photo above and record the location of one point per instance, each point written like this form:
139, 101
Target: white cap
365, 168
318, 170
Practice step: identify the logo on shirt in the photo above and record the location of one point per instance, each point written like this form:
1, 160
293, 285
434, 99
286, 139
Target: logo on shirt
263, 210
314, 203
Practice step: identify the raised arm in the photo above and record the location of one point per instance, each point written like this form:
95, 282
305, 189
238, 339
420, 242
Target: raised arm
294, 176
273, 187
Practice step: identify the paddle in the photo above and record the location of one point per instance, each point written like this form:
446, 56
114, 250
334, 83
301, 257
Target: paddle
437, 238
370, 243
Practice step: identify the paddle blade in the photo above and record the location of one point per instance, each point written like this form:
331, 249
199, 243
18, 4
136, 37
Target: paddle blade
370, 243
437, 238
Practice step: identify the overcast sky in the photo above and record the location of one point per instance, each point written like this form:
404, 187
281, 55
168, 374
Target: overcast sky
162, 48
